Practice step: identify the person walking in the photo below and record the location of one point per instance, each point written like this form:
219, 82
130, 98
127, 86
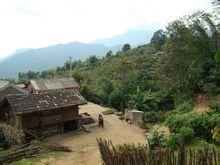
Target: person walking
101, 121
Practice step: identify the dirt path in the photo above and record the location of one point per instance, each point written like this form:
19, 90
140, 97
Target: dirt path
201, 104
84, 145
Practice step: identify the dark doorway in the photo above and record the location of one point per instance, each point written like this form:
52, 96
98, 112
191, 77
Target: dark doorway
70, 125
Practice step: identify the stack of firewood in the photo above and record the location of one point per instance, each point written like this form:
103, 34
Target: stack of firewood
30, 150
86, 118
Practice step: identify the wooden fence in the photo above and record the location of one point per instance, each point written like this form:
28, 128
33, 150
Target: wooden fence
143, 156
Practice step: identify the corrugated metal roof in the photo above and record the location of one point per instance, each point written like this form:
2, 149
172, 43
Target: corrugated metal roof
3, 83
22, 103
54, 84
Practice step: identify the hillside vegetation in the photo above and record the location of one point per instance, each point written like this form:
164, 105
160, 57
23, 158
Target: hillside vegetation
160, 78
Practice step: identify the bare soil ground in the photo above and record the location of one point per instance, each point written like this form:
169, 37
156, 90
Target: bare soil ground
201, 104
84, 145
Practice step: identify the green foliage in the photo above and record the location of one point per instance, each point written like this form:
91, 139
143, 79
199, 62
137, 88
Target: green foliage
126, 47
105, 88
185, 106
200, 123
174, 140
116, 99
153, 117
125, 147
216, 134
214, 106
156, 140
184, 135
187, 134
158, 39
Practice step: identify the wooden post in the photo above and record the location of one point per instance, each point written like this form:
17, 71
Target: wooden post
41, 123
62, 121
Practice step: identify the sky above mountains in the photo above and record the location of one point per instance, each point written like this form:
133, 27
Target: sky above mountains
39, 23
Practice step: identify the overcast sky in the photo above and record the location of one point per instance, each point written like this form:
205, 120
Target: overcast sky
39, 23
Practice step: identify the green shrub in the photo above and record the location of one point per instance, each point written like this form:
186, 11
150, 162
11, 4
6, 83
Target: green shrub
174, 140
201, 124
115, 99
187, 134
175, 122
211, 88
153, 117
185, 106
125, 147
156, 140
214, 106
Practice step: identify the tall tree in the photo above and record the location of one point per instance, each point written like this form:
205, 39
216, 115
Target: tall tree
126, 47
158, 39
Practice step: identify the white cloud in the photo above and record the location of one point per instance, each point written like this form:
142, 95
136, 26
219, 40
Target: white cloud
39, 23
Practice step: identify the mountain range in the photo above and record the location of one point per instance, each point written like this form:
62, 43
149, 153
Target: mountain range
41, 59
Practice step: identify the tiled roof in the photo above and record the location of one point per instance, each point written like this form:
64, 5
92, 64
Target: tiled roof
22, 103
3, 83
54, 84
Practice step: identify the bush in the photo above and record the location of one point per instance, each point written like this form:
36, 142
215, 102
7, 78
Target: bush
175, 122
214, 106
115, 99
156, 140
185, 106
174, 140
211, 88
187, 134
201, 124
153, 117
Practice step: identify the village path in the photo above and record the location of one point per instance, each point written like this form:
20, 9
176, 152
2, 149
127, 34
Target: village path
84, 145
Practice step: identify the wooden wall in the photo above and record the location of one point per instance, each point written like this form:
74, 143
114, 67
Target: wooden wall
49, 117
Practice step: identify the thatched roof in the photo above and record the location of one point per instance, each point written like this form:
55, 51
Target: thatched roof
53, 84
22, 103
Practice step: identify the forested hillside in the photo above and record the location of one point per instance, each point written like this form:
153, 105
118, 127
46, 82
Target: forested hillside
160, 78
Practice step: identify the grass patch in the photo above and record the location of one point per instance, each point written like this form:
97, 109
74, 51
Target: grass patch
38, 158
109, 112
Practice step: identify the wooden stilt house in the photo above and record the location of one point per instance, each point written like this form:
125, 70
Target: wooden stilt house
38, 114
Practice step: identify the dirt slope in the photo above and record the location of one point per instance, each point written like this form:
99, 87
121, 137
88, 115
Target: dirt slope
84, 144
201, 104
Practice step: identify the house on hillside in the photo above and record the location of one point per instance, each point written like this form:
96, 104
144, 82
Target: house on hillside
43, 85
44, 113
11, 89
3, 83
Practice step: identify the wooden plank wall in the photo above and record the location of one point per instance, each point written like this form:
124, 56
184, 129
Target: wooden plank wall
49, 117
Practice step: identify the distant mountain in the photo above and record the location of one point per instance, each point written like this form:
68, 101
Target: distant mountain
49, 57
41, 59
133, 37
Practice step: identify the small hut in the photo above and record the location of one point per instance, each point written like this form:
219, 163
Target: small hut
39, 114
11, 89
44, 85
134, 116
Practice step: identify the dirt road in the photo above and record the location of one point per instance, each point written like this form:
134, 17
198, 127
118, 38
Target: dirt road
84, 145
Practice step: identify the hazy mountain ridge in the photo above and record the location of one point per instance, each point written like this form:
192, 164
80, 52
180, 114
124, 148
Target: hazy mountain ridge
49, 57
133, 37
